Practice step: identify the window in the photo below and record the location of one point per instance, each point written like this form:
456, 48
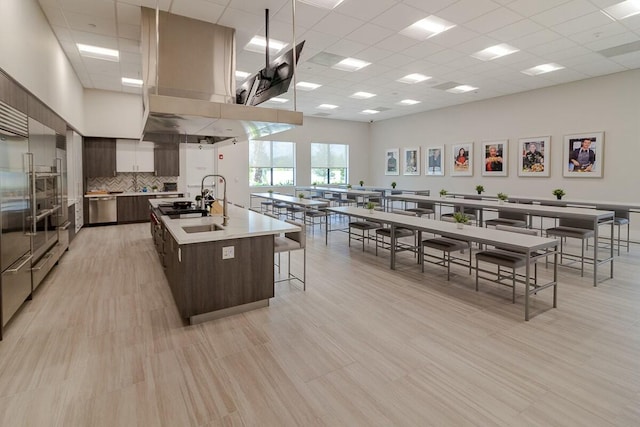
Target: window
271, 163
329, 163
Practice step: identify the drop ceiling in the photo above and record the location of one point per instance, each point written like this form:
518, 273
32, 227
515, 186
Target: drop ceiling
575, 34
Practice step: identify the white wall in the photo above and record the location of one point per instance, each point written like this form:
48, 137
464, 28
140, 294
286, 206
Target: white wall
30, 53
112, 114
609, 103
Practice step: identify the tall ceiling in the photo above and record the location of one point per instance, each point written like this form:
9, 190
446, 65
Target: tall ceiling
575, 34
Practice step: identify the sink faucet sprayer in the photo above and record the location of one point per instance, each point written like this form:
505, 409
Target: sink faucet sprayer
225, 218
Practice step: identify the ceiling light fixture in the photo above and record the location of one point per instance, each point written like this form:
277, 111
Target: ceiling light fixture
542, 69
351, 64
241, 75
409, 102
307, 86
98, 52
495, 52
278, 100
326, 107
427, 28
324, 4
126, 81
369, 112
258, 43
462, 89
413, 78
623, 10
362, 95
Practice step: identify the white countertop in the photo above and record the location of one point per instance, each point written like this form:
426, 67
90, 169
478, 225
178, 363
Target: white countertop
156, 202
138, 193
242, 223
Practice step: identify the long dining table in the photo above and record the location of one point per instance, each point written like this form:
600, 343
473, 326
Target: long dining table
597, 217
521, 243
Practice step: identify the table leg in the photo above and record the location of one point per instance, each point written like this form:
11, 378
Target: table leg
526, 284
611, 254
595, 252
393, 247
555, 277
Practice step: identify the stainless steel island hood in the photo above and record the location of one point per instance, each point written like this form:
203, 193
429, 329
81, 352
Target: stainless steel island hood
189, 83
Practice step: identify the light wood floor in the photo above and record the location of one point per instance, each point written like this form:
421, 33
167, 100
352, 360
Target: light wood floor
101, 344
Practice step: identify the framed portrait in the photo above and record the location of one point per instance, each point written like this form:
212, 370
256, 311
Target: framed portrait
462, 159
533, 156
495, 157
392, 162
434, 161
411, 165
583, 155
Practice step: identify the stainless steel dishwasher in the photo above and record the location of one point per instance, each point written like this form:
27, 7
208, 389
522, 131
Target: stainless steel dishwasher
103, 210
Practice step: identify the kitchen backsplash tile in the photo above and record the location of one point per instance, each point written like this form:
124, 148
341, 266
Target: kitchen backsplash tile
129, 181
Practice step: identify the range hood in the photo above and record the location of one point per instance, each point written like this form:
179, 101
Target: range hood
189, 84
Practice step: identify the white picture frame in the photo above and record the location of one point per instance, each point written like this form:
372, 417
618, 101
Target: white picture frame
589, 166
495, 156
434, 163
411, 161
462, 159
392, 161
534, 156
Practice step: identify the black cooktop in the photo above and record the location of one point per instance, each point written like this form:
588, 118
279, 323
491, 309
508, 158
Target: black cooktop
170, 210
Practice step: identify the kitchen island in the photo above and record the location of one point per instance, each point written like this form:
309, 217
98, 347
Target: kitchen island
213, 270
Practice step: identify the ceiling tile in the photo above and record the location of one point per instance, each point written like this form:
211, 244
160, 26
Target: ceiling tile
133, 32
606, 67
375, 53
593, 34
369, 34
95, 39
364, 9
564, 12
105, 9
306, 16
396, 42
529, 7
465, 10
493, 20
578, 25
258, 6
515, 30
235, 18
91, 24
164, 4
197, 9
345, 47
128, 45
453, 37
128, 14
617, 40
535, 39
630, 60
475, 44
399, 17
318, 40
557, 45
338, 25
423, 49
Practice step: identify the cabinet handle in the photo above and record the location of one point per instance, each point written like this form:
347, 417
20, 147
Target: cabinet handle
18, 268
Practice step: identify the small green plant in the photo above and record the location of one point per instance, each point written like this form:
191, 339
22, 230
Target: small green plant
393, 184
270, 191
443, 192
198, 198
460, 217
314, 183
361, 183
479, 189
370, 205
349, 186
502, 196
558, 192
301, 195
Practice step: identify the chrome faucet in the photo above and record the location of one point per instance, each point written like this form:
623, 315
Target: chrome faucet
225, 217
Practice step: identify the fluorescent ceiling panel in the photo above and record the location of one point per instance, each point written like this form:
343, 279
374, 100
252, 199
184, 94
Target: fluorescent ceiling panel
126, 81
307, 86
495, 52
326, 59
351, 64
258, 44
362, 95
462, 89
623, 10
98, 52
326, 107
278, 100
408, 102
241, 75
427, 28
369, 111
413, 78
542, 69
324, 4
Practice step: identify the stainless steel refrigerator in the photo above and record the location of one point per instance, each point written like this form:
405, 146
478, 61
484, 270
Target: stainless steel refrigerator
16, 212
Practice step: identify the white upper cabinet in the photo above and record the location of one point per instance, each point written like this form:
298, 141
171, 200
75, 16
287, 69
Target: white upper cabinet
134, 156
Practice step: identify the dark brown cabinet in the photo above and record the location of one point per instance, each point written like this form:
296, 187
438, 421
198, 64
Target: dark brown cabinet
133, 209
99, 157
166, 159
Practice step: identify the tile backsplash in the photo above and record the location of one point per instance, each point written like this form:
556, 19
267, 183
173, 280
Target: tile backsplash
129, 181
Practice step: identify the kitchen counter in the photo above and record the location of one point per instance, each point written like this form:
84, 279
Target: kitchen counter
137, 193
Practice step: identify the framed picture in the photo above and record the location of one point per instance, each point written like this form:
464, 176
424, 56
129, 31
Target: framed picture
434, 161
411, 161
462, 159
533, 156
583, 155
495, 158
392, 162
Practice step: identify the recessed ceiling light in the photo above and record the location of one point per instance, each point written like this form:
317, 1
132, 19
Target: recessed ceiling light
494, 52
98, 52
126, 81
327, 107
351, 64
623, 10
427, 27
324, 4
413, 78
462, 89
542, 69
241, 75
369, 112
362, 95
259, 43
307, 86
409, 102
278, 100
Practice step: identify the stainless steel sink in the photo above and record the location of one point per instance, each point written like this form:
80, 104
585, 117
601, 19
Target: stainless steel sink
202, 228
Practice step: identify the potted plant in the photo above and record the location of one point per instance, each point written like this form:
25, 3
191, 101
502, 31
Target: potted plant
314, 184
443, 192
479, 189
371, 206
558, 192
270, 191
154, 188
361, 183
502, 197
460, 218
301, 195
349, 186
